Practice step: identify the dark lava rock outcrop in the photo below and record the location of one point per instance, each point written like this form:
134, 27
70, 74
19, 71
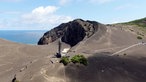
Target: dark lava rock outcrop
72, 32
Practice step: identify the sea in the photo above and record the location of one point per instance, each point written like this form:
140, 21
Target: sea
22, 36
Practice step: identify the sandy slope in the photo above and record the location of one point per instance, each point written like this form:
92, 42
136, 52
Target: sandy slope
25, 61
115, 39
32, 63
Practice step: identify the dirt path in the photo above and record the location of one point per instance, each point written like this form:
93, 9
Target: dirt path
122, 50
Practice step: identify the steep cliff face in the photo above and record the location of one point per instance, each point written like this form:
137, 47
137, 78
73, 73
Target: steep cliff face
72, 32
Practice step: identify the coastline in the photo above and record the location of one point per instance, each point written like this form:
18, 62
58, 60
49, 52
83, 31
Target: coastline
22, 36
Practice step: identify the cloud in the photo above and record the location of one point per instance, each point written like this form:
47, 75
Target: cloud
126, 6
44, 10
63, 2
44, 15
100, 1
9, 12
39, 18
3, 23
10, 0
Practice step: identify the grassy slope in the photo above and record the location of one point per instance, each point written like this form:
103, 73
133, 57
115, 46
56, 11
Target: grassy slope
139, 22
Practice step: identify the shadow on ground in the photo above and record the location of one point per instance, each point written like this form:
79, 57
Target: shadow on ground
104, 68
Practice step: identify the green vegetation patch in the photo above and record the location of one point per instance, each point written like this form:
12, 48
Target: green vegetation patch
139, 37
65, 60
139, 22
79, 59
17, 81
124, 54
75, 59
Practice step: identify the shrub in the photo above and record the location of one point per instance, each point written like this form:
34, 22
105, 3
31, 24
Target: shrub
65, 60
139, 37
17, 81
79, 59
124, 54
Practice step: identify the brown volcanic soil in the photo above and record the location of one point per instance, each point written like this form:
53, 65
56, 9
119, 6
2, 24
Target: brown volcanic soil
115, 38
104, 68
33, 63
25, 61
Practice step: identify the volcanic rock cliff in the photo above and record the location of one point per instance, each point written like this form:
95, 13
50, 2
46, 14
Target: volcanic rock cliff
72, 32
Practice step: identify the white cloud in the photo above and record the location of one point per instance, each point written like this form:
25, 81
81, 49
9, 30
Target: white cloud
2, 26
63, 2
39, 18
126, 6
10, 0
10, 12
3, 23
100, 1
44, 15
44, 10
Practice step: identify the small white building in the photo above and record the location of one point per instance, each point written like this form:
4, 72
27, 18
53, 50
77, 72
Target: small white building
64, 51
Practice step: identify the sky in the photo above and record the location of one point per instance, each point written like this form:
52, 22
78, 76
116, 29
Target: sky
47, 14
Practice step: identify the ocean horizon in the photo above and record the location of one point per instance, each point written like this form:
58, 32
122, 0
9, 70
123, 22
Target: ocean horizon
22, 36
